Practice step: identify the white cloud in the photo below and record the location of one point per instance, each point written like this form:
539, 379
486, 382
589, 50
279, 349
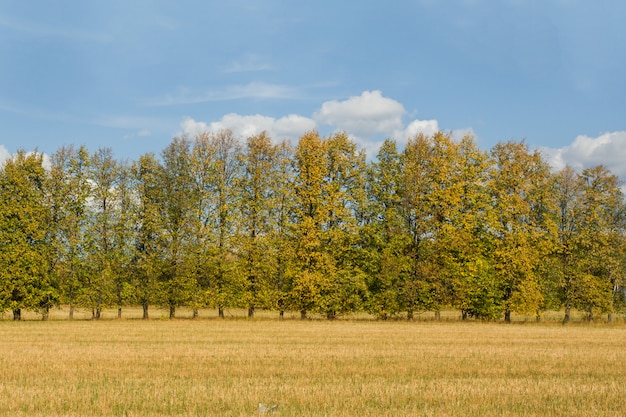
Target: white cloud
364, 115
249, 63
608, 149
256, 90
427, 127
44, 31
288, 127
458, 134
4, 154
368, 119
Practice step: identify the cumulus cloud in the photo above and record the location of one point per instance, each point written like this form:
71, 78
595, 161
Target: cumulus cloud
4, 154
46, 162
608, 149
368, 119
427, 127
364, 115
287, 127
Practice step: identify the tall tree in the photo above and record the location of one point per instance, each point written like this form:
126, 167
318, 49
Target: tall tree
256, 205
68, 194
148, 256
384, 237
98, 290
343, 200
179, 200
24, 222
417, 287
599, 241
281, 235
522, 227
312, 266
463, 246
217, 166
124, 237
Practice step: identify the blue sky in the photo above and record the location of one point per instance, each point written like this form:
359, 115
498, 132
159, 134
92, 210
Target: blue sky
133, 74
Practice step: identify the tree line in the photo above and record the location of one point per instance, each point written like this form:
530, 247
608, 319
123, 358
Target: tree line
216, 221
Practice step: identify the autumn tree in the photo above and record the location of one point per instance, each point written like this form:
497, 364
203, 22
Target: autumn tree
24, 222
383, 236
147, 255
418, 286
258, 194
216, 166
591, 240
522, 228
342, 201
463, 244
312, 266
98, 287
281, 246
124, 237
179, 197
68, 193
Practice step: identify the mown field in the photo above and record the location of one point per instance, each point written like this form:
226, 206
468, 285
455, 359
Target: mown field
214, 367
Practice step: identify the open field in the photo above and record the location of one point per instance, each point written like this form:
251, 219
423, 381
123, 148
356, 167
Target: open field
311, 368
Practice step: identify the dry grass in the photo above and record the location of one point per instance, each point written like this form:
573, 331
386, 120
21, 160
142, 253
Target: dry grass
312, 368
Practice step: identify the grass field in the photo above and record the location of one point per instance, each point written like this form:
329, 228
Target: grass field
311, 368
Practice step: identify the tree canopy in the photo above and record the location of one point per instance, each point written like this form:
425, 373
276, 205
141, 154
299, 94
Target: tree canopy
220, 221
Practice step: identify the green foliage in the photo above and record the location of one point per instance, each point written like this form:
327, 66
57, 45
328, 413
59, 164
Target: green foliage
315, 228
25, 281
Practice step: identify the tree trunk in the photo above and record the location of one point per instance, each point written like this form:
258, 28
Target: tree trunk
172, 311
568, 311
507, 316
250, 311
45, 314
463, 315
119, 313
98, 313
438, 315
409, 315
145, 310
538, 317
17, 314
195, 313
609, 318
281, 314
220, 312
71, 317
302, 314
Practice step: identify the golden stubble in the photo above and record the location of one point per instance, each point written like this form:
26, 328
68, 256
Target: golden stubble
310, 368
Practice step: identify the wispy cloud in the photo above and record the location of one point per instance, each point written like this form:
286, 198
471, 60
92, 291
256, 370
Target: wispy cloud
34, 113
249, 63
140, 125
44, 31
256, 90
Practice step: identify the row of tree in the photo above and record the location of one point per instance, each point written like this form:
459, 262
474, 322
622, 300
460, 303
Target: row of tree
219, 222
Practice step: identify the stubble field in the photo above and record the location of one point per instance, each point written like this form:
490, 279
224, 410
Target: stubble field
312, 368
